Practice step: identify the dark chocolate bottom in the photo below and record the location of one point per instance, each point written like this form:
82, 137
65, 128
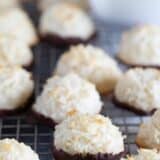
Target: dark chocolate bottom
19, 110
35, 117
60, 41
131, 108
4, 113
61, 155
138, 65
29, 67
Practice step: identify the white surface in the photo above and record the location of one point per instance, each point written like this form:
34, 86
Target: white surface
91, 63
66, 96
139, 88
14, 51
149, 133
145, 154
11, 149
71, 22
44, 4
128, 11
141, 46
8, 4
16, 87
93, 134
17, 23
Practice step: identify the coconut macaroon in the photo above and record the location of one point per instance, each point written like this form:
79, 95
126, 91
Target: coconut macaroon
87, 137
17, 23
139, 90
145, 154
45, 4
15, 89
11, 149
91, 63
14, 51
64, 28
8, 4
149, 133
140, 46
66, 96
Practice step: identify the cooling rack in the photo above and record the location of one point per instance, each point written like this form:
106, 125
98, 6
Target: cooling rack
40, 137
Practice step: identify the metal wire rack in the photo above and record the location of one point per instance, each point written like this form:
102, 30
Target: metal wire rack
40, 137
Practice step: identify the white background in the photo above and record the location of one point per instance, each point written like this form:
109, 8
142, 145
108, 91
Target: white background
128, 11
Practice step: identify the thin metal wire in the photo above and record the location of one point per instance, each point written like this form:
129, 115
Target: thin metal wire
1, 121
18, 129
35, 138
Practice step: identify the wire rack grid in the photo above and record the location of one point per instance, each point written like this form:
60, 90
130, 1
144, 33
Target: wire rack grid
40, 137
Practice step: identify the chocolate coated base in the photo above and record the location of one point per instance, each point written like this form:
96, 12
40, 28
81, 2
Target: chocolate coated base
35, 117
18, 110
138, 65
4, 112
29, 67
60, 41
61, 155
131, 108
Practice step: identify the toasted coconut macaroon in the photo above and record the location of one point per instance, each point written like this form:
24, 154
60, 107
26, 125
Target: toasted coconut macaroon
140, 46
17, 23
149, 133
91, 63
87, 137
15, 89
145, 154
8, 4
45, 4
11, 149
66, 96
14, 51
64, 28
139, 90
